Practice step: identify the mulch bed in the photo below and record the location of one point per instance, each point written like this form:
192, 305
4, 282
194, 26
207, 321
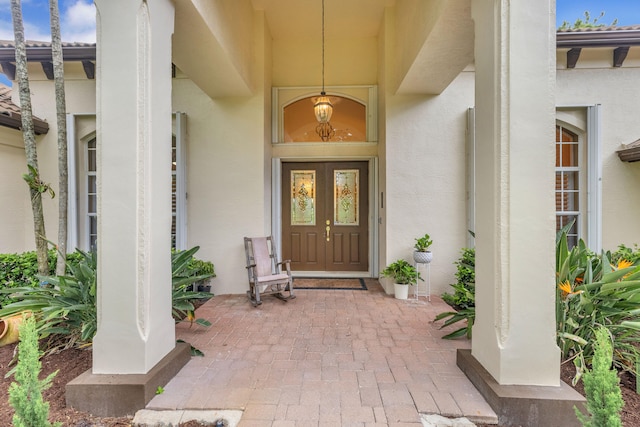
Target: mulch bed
71, 363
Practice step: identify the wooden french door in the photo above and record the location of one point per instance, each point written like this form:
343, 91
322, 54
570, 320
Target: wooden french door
325, 210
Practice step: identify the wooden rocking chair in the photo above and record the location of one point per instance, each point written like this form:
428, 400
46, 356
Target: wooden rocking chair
264, 271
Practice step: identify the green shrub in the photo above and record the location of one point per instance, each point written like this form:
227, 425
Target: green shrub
25, 394
630, 254
20, 270
185, 271
591, 292
66, 307
464, 297
602, 387
465, 287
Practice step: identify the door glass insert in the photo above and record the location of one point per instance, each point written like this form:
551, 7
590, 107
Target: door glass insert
303, 197
345, 200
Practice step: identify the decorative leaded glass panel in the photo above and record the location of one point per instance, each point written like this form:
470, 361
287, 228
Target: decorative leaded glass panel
303, 197
345, 196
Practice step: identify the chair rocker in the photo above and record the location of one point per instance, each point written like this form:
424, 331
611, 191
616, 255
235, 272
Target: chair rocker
264, 271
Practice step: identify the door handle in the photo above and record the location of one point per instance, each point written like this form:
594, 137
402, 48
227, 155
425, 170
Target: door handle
328, 231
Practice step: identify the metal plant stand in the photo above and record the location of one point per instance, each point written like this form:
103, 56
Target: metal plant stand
426, 292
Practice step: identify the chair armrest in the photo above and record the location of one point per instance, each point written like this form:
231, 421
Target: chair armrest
287, 266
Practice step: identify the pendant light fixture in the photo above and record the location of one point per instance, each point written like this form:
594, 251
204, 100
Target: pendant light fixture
323, 108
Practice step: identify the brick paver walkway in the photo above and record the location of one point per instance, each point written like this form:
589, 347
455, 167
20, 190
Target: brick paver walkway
350, 358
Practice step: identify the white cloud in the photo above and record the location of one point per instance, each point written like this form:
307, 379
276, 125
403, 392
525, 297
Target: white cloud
6, 29
35, 20
32, 31
79, 22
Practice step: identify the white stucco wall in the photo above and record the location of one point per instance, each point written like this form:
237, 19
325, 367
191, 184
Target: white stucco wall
228, 169
225, 179
426, 176
595, 81
16, 232
80, 97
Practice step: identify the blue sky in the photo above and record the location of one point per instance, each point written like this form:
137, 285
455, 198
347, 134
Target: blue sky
626, 11
78, 17
78, 22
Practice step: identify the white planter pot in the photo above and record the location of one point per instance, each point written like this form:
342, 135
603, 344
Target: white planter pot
422, 257
401, 291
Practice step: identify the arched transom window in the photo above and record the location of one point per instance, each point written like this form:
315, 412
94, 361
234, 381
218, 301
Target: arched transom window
349, 120
354, 118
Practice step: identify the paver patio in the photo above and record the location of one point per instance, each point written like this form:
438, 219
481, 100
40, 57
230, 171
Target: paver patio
329, 357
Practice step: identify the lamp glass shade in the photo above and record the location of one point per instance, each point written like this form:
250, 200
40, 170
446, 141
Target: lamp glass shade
323, 109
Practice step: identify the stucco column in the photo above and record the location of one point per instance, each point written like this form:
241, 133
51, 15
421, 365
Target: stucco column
514, 333
135, 328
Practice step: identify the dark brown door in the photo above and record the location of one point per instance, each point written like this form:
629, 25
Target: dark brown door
325, 211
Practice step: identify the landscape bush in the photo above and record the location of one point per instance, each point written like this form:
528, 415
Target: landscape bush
25, 393
464, 297
602, 387
19, 270
65, 306
593, 290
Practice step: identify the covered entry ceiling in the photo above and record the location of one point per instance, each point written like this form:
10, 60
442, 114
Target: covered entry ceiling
427, 43
343, 18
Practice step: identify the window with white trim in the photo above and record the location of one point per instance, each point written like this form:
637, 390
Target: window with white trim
578, 171
91, 195
568, 182
83, 190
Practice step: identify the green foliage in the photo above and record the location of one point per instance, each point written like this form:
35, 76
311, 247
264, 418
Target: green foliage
66, 307
402, 272
586, 22
20, 270
592, 292
184, 271
25, 394
630, 254
602, 387
423, 243
465, 314
198, 267
465, 287
464, 297
35, 183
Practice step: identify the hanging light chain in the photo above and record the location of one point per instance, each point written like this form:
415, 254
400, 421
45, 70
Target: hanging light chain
322, 107
323, 92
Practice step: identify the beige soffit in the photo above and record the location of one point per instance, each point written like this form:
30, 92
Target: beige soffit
41, 52
618, 39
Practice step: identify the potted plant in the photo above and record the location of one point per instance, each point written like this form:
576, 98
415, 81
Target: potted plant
422, 254
403, 275
198, 267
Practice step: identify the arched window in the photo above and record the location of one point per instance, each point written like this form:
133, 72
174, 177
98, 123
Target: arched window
568, 182
354, 118
349, 120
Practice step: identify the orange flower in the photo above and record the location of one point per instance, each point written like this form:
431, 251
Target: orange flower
191, 316
579, 280
565, 287
623, 263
